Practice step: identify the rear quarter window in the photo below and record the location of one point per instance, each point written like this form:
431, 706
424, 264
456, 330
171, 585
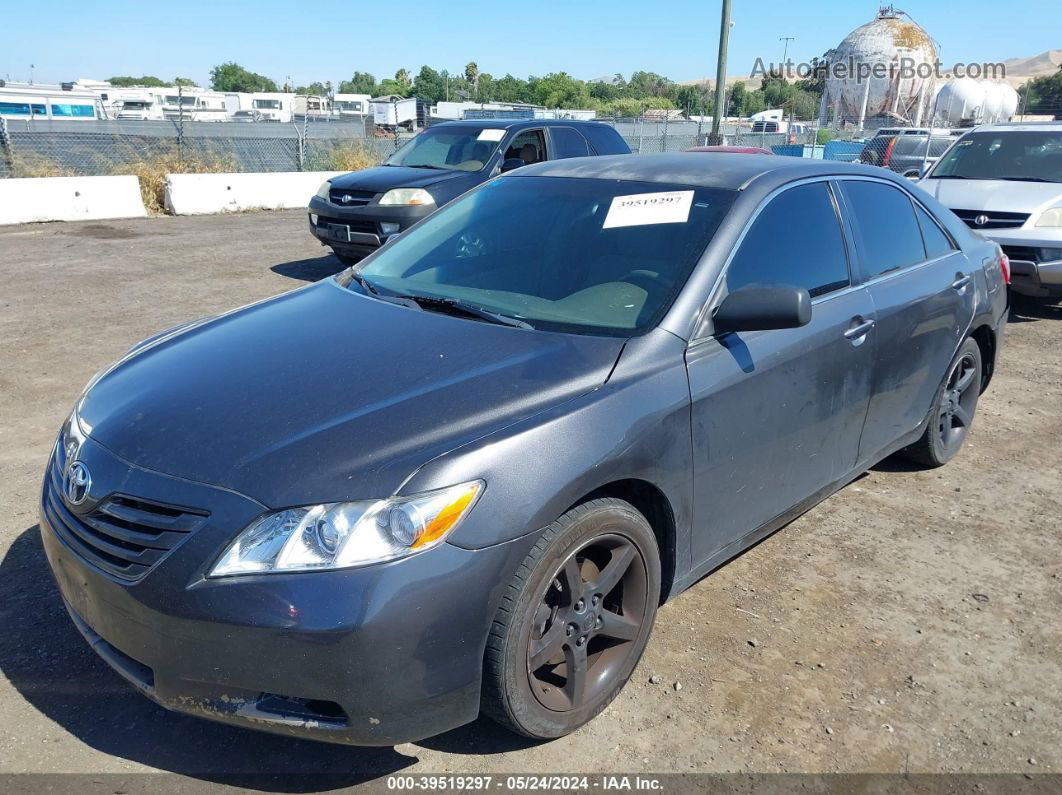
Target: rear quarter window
605, 140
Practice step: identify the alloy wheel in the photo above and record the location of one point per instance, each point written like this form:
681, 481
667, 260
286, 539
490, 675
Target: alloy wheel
586, 623
959, 401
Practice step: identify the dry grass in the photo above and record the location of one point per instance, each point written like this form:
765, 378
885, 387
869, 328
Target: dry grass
34, 165
151, 172
353, 156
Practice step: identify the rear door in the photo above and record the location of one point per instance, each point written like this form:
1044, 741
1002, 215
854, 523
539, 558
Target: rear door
567, 142
919, 281
777, 414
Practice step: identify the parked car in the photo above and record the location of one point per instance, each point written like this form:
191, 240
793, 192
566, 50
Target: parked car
1005, 181
461, 476
739, 150
356, 213
905, 152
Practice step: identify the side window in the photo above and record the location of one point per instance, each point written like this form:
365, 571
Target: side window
795, 240
937, 243
567, 142
529, 146
887, 226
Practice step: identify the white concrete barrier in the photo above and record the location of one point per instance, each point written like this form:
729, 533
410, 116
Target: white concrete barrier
200, 194
28, 199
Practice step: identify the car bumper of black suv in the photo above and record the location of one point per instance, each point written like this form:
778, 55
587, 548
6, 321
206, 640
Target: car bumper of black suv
375, 655
361, 230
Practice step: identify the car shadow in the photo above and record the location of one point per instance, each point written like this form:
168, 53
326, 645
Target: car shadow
50, 665
309, 270
1026, 310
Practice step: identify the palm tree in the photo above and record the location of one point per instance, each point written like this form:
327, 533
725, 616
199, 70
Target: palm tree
472, 74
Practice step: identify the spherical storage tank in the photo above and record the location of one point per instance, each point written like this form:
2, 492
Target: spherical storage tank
885, 69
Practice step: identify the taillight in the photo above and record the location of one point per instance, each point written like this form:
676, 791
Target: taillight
1004, 266
888, 152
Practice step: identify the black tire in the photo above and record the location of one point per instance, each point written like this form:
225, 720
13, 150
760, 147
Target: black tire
952, 414
540, 607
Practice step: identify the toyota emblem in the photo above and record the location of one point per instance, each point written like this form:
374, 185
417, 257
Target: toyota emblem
76, 483
981, 220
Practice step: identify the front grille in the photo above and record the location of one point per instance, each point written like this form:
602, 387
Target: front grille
368, 227
358, 198
996, 220
1024, 253
124, 536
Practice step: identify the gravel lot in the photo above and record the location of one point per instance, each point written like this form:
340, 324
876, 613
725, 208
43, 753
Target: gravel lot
909, 623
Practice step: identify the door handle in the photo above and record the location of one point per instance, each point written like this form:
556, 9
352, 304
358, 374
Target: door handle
960, 282
856, 332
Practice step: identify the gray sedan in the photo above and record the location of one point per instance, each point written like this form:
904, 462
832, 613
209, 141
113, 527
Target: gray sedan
461, 476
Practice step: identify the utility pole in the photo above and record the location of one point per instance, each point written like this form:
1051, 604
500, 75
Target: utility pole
720, 75
785, 51
31, 74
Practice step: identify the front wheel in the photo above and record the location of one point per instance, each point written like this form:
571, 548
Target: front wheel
574, 621
952, 414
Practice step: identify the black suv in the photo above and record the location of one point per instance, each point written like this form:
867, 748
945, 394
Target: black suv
356, 213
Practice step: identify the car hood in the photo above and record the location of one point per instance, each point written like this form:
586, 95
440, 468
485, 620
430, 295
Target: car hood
993, 194
384, 178
324, 394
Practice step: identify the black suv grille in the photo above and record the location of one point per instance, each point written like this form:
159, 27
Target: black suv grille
995, 220
123, 536
357, 198
368, 227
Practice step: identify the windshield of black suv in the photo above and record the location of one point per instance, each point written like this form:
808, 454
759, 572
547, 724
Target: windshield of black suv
574, 255
449, 147
1021, 155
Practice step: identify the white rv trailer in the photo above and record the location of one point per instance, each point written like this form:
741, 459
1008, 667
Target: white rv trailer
41, 101
265, 106
393, 111
346, 106
193, 104
312, 107
137, 104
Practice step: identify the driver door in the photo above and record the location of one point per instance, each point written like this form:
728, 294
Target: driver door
777, 414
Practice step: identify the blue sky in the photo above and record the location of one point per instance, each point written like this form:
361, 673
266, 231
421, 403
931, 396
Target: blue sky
328, 40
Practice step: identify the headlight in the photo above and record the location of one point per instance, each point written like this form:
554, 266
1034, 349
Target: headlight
1050, 254
322, 192
1052, 217
407, 196
344, 534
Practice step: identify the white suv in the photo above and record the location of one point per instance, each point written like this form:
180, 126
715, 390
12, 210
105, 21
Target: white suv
1005, 181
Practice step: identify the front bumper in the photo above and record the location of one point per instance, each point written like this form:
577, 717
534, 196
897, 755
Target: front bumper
376, 655
356, 230
1032, 273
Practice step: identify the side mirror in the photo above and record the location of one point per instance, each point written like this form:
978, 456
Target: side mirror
512, 162
912, 173
763, 308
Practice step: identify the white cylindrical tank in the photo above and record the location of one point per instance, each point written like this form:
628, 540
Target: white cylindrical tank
965, 100
886, 44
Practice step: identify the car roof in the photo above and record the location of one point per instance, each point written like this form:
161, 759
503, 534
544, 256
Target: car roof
505, 124
1038, 126
698, 169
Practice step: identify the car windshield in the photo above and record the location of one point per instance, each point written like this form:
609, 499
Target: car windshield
1023, 155
450, 147
561, 254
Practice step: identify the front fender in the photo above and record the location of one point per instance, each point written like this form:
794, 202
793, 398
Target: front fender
636, 426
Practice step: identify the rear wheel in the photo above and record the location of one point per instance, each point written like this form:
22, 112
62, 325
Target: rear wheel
574, 621
952, 414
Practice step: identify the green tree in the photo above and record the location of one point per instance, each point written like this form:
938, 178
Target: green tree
359, 83
1043, 95
429, 85
472, 73
391, 86
316, 89
402, 76
650, 84
233, 77
559, 90
186, 82
484, 91
511, 89
126, 81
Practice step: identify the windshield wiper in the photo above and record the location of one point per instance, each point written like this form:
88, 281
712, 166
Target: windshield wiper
949, 176
454, 306
1026, 179
364, 283
425, 165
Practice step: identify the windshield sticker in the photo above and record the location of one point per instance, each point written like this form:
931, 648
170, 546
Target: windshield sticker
491, 135
641, 209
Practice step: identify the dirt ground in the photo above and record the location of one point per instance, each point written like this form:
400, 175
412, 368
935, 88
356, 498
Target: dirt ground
908, 623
